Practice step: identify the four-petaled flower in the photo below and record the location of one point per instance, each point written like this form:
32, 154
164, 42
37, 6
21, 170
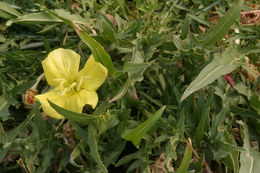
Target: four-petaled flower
72, 88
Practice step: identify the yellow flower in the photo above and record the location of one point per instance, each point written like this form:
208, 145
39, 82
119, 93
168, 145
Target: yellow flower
72, 88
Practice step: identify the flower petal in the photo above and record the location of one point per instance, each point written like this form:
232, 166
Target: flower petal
61, 65
73, 102
92, 75
89, 97
54, 97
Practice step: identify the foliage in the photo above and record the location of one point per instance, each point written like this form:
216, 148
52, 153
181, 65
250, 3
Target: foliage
165, 96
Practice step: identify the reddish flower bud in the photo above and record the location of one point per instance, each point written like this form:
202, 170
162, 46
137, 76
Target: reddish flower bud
229, 79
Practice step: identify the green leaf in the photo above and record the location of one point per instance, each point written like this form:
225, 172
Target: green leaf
97, 50
21, 89
93, 147
75, 154
186, 159
198, 19
4, 108
48, 27
250, 158
109, 31
126, 159
47, 17
216, 122
7, 11
90, 139
75, 116
255, 103
244, 112
203, 112
48, 154
231, 161
221, 65
12, 134
121, 92
135, 135
185, 28
217, 32
134, 67
115, 153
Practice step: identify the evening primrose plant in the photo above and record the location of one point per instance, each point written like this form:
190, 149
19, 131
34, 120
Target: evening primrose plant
73, 89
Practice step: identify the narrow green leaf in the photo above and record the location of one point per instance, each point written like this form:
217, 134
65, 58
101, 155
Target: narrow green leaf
185, 28
201, 126
202, 21
231, 161
121, 92
11, 135
135, 135
21, 89
47, 17
93, 148
115, 154
220, 65
215, 124
4, 108
7, 11
255, 103
48, 27
186, 159
75, 116
97, 50
250, 158
75, 154
244, 112
217, 32
134, 67
90, 138
126, 159
109, 34
109, 30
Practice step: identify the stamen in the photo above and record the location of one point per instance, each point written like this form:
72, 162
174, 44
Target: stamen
72, 85
62, 81
64, 91
80, 81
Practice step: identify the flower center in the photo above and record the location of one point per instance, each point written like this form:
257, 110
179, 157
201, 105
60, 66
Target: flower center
71, 87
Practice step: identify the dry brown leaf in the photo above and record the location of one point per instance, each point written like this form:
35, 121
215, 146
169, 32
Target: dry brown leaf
68, 135
250, 17
74, 6
112, 20
159, 164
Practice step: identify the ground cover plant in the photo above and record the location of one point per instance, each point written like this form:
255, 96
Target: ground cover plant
162, 86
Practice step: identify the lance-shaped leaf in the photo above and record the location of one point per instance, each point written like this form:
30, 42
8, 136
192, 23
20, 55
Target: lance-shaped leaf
97, 50
186, 159
135, 135
75, 116
90, 138
221, 65
121, 92
217, 32
92, 142
7, 11
250, 158
46, 17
